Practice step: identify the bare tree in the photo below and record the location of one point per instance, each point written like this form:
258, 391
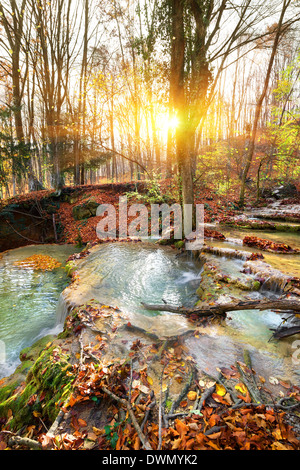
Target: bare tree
258, 108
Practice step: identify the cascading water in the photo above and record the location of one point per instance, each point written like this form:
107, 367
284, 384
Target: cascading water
28, 300
62, 311
125, 274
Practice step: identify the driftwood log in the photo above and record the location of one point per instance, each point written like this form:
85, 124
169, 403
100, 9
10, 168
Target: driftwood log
281, 305
291, 306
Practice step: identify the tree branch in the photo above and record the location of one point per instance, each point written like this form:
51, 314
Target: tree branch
222, 309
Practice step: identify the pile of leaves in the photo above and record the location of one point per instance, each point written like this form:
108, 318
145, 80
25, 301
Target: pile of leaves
213, 234
207, 414
39, 263
255, 256
268, 245
218, 426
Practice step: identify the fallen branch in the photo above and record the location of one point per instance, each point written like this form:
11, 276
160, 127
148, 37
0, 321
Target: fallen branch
24, 441
285, 332
148, 410
205, 396
222, 309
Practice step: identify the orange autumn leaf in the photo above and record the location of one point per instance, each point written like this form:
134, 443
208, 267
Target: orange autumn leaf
39, 262
192, 395
219, 399
82, 423
137, 444
214, 435
181, 428
176, 444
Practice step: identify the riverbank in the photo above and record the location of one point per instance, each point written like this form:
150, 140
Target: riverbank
108, 383
114, 380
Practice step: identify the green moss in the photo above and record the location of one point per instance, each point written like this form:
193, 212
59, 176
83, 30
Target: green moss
256, 285
32, 352
70, 268
165, 241
48, 381
180, 244
7, 390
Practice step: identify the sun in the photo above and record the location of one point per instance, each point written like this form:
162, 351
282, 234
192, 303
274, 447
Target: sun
165, 123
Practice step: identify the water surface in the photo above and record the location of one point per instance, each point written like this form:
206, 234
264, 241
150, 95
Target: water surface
28, 300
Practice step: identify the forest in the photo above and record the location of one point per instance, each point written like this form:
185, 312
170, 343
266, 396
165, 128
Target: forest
114, 91
123, 337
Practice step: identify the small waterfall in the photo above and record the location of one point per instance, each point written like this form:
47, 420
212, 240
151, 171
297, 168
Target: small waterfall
274, 284
272, 279
226, 252
62, 310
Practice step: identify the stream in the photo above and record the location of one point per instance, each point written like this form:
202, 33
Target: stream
125, 274
288, 263
28, 300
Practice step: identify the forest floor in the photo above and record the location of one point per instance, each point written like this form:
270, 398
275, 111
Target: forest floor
218, 206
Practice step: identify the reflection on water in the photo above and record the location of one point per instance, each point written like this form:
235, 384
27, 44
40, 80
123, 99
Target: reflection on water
28, 300
127, 274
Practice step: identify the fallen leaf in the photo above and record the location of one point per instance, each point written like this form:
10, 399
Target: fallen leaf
220, 390
82, 423
192, 395
273, 381
241, 388
149, 380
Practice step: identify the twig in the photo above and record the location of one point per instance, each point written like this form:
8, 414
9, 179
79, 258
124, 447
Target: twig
176, 415
124, 402
160, 411
23, 236
148, 409
130, 383
54, 227
205, 396
276, 406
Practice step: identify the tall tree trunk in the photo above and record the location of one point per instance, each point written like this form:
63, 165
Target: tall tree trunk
260, 101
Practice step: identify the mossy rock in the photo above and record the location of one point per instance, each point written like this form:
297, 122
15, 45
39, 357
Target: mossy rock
86, 210
70, 268
48, 384
70, 198
287, 228
165, 241
179, 244
27, 357
256, 285
33, 352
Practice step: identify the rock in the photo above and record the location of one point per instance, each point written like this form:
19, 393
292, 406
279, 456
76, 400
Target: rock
179, 244
86, 210
48, 381
280, 192
283, 191
31, 353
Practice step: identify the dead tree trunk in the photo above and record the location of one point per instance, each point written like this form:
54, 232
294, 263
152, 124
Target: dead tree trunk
221, 309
